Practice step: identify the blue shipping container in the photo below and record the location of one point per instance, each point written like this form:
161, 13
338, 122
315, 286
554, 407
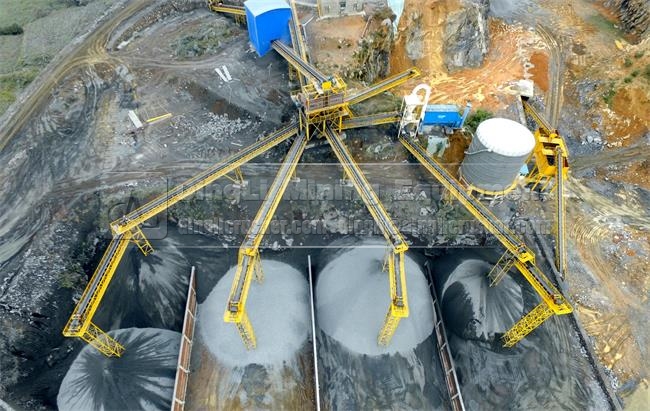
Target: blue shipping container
267, 20
443, 115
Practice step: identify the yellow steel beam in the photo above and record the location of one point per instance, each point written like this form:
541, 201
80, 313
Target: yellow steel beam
103, 342
270, 204
219, 7
546, 290
300, 45
398, 308
297, 39
81, 317
551, 161
249, 259
509, 240
303, 66
158, 118
397, 277
381, 86
553, 300
189, 187
541, 122
560, 249
526, 325
236, 307
371, 120
368, 195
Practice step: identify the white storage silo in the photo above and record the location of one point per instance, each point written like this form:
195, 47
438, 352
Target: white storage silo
496, 155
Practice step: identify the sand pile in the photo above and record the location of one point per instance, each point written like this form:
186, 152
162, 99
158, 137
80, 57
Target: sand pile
278, 310
143, 378
352, 297
474, 310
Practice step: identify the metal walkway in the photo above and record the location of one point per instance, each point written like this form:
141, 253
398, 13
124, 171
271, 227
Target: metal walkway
476, 208
189, 187
559, 192
80, 322
185, 349
382, 86
444, 353
298, 63
218, 6
366, 192
371, 120
398, 308
249, 265
517, 253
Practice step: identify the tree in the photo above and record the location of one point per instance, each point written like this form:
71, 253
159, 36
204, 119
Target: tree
476, 118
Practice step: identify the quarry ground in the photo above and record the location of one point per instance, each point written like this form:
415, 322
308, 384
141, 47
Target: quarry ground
70, 158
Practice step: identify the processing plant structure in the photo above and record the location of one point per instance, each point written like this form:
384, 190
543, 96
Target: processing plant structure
498, 152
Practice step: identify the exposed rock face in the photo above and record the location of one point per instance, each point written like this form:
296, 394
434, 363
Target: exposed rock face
441, 35
634, 14
466, 35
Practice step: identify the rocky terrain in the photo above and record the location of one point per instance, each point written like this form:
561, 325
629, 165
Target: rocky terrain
72, 163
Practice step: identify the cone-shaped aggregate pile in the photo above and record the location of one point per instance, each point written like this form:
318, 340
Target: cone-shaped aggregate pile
143, 378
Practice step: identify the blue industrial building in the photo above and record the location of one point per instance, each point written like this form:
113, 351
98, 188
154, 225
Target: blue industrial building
267, 20
447, 115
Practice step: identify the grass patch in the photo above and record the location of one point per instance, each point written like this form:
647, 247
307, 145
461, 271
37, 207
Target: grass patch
604, 25
12, 83
635, 73
22, 12
627, 80
7, 97
638, 54
17, 79
627, 62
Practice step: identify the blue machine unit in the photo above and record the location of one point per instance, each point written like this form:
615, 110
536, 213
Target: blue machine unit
447, 115
267, 20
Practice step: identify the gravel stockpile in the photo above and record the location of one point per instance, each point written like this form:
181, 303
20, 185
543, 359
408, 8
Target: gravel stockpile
278, 310
352, 297
143, 378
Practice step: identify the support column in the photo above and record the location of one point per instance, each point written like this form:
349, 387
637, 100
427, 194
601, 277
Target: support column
137, 236
527, 324
501, 268
103, 342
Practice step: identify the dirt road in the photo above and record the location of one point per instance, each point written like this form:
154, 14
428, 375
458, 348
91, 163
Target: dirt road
92, 50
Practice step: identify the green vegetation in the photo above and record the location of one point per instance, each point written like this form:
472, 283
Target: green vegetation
646, 72
12, 83
608, 96
72, 277
11, 30
628, 62
476, 118
17, 79
638, 54
605, 25
635, 73
207, 41
371, 58
627, 80
22, 12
